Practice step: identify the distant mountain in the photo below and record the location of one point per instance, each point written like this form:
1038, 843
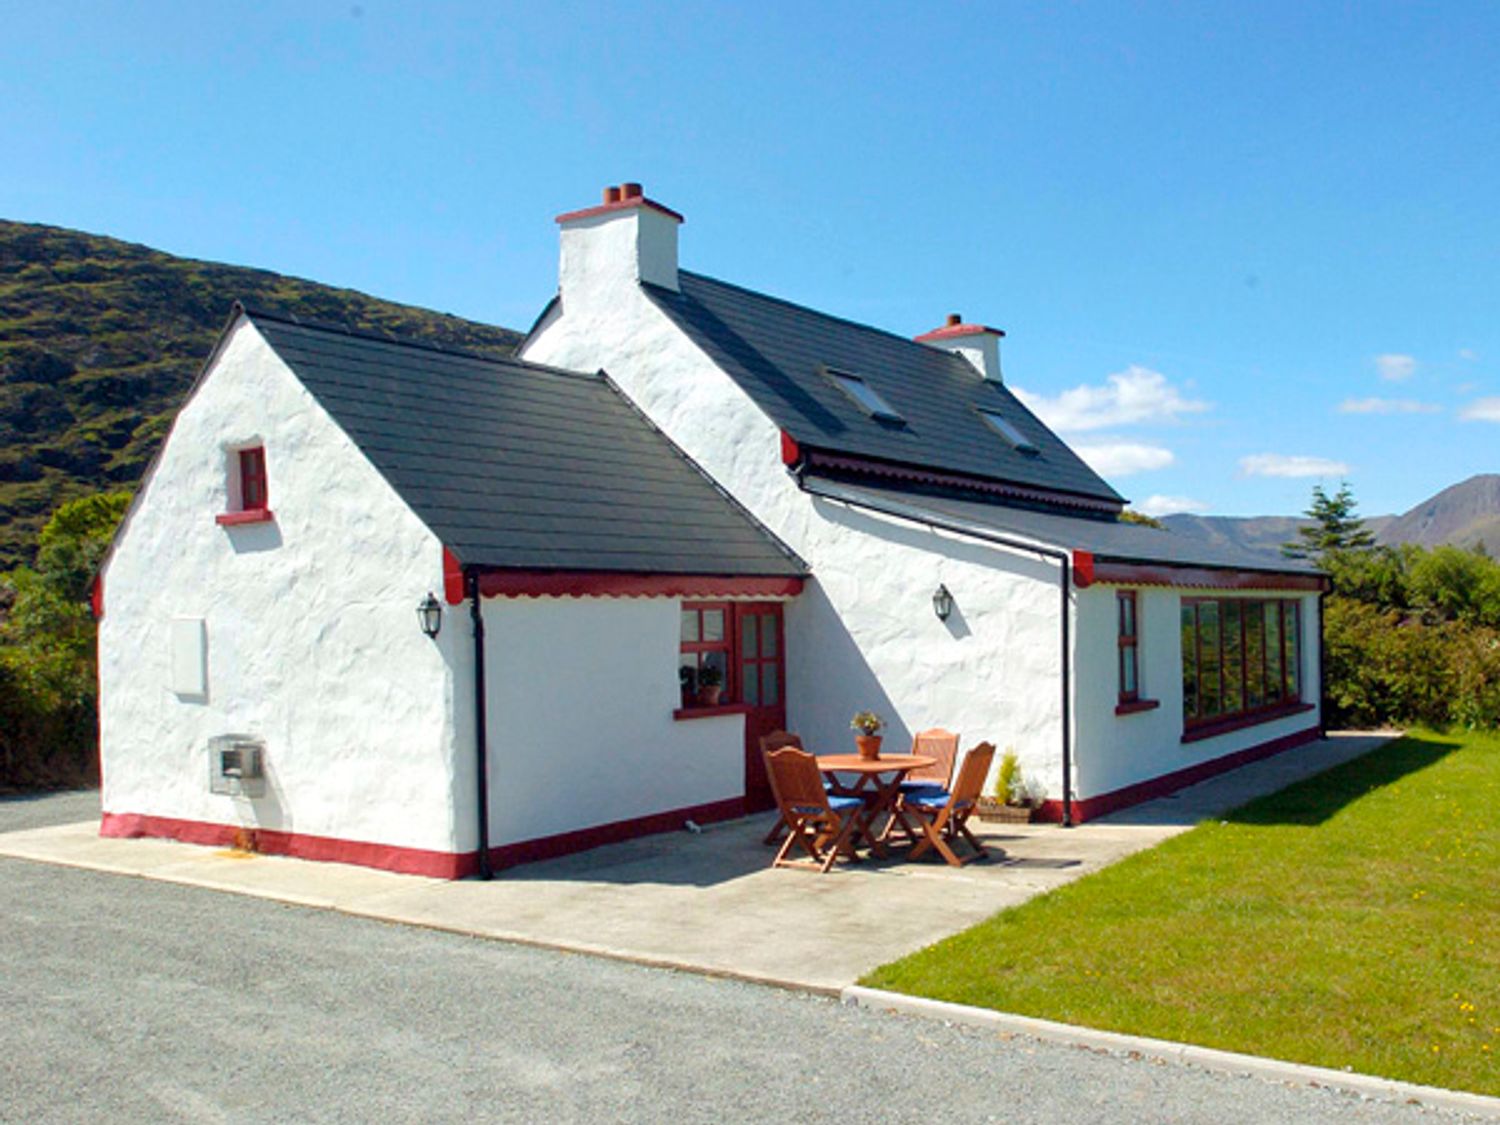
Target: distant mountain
100, 340
1462, 515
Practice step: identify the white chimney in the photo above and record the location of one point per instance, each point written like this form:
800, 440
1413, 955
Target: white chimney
624, 240
975, 342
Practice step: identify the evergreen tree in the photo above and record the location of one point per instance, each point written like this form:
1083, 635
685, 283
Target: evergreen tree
1335, 527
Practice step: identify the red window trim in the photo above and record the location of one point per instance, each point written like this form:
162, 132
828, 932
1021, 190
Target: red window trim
725, 644
1135, 706
1290, 703
1128, 644
252, 515
709, 712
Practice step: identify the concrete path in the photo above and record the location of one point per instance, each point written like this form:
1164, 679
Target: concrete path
708, 902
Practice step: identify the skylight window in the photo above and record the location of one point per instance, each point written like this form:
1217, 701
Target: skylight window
1007, 429
864, 394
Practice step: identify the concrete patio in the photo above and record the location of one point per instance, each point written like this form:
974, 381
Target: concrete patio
707, 902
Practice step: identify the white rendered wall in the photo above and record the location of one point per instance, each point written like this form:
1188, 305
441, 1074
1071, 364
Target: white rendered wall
1122, 750
312, 637
579, 702
863, 634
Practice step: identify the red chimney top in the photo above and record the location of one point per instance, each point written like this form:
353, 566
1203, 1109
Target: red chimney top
620, 198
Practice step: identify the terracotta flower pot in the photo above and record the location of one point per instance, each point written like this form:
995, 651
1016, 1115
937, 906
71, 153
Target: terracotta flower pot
869, 746
709, 696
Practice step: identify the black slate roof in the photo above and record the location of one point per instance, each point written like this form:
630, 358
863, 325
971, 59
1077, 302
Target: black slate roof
519, 466
778, 353
1107, 539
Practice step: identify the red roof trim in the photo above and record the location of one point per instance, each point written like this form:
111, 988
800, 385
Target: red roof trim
1165, 574
791, 452
955, 480
600, 584
1083, 568
954, 331
453, 578
622, 205
96, 595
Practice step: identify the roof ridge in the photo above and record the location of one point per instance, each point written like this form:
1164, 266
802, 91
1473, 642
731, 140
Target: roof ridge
379, 337
820, 313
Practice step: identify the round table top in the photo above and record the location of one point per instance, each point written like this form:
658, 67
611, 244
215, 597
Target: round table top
853, 763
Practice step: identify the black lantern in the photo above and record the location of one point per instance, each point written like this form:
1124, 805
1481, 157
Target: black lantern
942, 602
430, 615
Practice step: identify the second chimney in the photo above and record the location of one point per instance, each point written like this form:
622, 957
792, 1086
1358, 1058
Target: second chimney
977, 343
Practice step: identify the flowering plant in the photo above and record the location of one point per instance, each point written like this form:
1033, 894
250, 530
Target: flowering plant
867, 723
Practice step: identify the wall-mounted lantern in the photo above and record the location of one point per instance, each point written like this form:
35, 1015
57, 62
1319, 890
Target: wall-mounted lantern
942, 603
430, 615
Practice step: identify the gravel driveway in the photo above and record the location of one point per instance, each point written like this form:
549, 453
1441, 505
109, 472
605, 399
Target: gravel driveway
131, 1000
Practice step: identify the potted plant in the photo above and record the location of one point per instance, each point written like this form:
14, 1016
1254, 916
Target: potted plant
1015, 800
710, 685
868, 724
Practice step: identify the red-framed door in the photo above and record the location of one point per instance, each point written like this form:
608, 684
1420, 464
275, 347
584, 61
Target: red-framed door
760, 684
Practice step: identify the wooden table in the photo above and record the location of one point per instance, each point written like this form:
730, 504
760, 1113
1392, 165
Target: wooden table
871, 785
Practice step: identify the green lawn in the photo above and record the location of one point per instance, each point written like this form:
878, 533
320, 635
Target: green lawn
1351, 920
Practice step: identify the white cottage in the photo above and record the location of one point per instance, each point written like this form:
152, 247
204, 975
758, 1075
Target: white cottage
819, 515
969, 570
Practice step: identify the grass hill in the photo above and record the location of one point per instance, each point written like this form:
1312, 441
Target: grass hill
100, 340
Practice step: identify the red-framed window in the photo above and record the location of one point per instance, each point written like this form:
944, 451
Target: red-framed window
1240, 657
706, 640
254, 495
1129, 637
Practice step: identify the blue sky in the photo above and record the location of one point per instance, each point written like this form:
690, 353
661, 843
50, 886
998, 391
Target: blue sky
1238, 250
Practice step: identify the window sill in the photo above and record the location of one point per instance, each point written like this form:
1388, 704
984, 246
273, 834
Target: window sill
709, 712
250, 515
1240, 722
1135, 706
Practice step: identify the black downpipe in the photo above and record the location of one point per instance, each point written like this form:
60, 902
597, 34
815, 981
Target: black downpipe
481, 750
1322, 672
1062, 558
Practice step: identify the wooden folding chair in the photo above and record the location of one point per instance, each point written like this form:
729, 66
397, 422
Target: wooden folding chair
775, 741
820, 825
944, 820
930, 781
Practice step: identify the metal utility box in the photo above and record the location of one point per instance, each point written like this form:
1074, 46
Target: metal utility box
237, 765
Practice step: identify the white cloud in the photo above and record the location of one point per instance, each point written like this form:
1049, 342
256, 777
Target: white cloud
1169, 505
1121, 458
1468, 354
1387, 406
1396, 368
1282, 465
1136, 394
1481, 410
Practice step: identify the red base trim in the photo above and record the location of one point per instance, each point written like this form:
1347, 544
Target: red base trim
566, 843
249, 515
1090, 808
583, 584
409, 861
387, 857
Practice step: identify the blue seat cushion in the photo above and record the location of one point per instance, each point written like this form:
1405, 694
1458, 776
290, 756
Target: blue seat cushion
837, 804
934, 801
926, 788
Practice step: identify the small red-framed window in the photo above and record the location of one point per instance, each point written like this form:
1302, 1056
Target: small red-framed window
253, 494
1129, 640
249, 488
705, 645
